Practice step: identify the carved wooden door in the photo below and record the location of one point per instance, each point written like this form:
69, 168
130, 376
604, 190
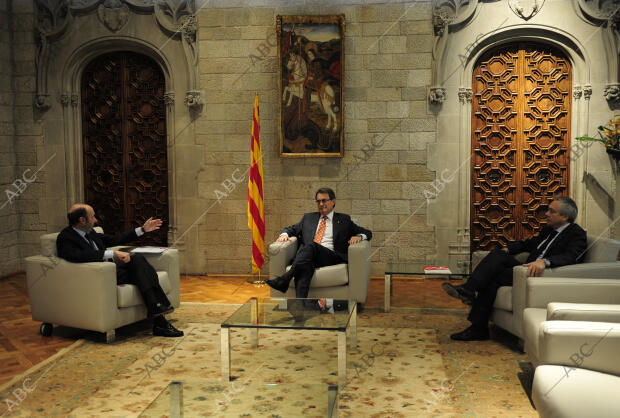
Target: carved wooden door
520, 141
124, 141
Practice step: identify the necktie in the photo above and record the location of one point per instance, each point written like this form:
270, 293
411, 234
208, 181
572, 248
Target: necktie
321, 231
91, 242
543, 247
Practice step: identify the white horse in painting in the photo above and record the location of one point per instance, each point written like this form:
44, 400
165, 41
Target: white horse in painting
325, 97
298, 75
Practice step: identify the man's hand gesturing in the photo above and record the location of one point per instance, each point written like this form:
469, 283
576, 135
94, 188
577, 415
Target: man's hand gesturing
152, 224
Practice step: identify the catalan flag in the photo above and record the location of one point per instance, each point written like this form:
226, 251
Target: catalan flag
256, 211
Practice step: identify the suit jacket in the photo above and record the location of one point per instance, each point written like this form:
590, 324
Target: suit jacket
569, 247
343, 229
72, 247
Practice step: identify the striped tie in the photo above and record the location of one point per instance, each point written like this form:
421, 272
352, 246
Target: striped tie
321, 231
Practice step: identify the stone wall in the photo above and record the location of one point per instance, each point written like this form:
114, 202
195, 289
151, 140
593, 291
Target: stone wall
21, 136
396, 145
31, 158
387, 128
9, 221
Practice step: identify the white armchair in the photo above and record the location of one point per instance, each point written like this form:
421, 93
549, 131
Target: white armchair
341, 281
86, 296
600, 262
575, 347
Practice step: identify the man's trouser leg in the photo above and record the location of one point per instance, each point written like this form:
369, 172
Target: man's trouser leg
483, 303
489, 268
309, 258
141, 274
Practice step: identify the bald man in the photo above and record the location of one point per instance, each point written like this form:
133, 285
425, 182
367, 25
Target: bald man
78, 243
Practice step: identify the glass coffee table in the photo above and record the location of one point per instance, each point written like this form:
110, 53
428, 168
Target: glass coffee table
217, 399
294, 314
416, 268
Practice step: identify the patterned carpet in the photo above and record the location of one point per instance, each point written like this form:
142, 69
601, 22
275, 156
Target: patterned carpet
405, 366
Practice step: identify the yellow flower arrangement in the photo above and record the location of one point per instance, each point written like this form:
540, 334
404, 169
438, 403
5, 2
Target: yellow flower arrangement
609, 135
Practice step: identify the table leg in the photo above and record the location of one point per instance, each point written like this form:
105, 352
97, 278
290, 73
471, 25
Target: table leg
225, 353
254, 337
387, 292
342, 359
332, 401
353, 327
176, 399
254, 331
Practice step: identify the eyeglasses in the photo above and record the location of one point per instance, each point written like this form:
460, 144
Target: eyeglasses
322, 201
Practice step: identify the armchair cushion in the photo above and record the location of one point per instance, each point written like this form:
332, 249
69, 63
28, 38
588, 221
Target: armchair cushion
601, 250
503, 300
328, 276
559, 391
588, 312
587, 345
540, 291
128, 295
48, 245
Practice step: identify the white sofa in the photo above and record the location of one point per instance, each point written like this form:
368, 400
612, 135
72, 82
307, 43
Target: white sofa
576, 350
600, 262
86, 296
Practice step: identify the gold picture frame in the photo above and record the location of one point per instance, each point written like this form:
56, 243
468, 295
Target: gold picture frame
311, 85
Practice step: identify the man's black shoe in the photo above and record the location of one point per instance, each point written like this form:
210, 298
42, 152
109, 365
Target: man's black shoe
166, 330
160, 310
279, 283
459, 292
472, 334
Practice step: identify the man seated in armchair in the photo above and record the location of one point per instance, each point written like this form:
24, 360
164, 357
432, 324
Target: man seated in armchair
79, 243
561, 242
324, 238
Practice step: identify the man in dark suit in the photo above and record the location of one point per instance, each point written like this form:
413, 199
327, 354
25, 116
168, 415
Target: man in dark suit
78, 243
324, 238
560, 243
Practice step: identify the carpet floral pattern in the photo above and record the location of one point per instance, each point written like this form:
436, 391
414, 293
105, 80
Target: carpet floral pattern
405, 366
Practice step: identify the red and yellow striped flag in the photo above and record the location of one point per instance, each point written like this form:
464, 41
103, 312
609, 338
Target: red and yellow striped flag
256, 211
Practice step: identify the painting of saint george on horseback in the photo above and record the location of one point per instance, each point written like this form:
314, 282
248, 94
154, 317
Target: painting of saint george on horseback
310, 73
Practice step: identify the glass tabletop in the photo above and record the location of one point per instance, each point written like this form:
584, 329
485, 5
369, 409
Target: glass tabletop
292, 314
433, 267
237, 399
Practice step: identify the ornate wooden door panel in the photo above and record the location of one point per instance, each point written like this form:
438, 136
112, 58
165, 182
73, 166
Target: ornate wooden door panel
124, 140
520, 141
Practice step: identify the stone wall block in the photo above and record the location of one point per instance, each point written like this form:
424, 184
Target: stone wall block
389, 78
419, 43
386, 190
393, 44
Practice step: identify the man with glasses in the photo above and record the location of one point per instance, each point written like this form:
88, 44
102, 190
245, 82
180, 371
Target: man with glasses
324, 238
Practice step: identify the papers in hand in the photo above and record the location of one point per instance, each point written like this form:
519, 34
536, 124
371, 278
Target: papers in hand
437, 270
148, 250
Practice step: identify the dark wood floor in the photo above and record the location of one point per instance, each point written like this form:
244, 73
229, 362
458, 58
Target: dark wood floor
21, 345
